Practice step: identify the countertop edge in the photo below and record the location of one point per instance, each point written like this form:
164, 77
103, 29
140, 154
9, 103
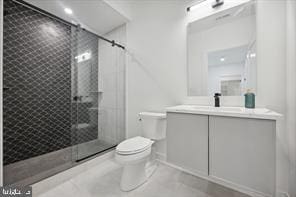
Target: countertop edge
272, 116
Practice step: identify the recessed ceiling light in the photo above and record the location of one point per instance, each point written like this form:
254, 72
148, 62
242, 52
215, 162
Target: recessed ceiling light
222, 59
68, 11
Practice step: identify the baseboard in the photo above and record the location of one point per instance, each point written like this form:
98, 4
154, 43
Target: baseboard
222, 182
53, 181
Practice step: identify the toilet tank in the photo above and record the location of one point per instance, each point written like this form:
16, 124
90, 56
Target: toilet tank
153, 125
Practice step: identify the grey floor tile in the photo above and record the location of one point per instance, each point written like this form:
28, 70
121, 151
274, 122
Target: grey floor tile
151, 189
104, 181
186, 191
31, 170
66, 189
194, 182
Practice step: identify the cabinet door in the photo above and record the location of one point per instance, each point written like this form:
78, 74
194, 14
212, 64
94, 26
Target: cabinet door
242, 152
187, 142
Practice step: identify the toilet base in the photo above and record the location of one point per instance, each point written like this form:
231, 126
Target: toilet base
134, 175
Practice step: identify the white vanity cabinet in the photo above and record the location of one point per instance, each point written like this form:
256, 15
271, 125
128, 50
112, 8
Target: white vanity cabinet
234, 147
242, 152
187, 137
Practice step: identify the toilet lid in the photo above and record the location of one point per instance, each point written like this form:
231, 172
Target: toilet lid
134, 145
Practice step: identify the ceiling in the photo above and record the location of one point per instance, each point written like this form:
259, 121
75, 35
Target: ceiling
94, 15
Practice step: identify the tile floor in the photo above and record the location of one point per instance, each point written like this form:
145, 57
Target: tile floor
103, 181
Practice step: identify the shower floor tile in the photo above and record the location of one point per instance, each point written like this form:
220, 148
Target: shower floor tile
34, 169
103, 181
38, 168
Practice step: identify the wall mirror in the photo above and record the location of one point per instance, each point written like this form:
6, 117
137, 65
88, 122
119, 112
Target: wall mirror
222, 53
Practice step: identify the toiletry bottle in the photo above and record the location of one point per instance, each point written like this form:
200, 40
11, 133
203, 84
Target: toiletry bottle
249, 99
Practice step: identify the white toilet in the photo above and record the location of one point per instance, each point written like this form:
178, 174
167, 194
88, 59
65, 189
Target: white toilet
134, 153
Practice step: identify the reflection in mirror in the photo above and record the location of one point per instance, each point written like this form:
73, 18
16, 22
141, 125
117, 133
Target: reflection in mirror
222, 53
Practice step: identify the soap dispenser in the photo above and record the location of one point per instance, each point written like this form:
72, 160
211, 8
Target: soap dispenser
249, 99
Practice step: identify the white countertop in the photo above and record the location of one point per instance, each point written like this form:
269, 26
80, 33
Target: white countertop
257, 113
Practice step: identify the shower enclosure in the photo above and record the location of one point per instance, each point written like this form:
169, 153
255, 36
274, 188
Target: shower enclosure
54, 114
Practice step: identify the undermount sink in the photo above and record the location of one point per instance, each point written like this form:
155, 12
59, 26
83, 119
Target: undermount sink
262, 113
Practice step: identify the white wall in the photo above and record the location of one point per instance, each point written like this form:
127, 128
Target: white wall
291, 92
121, 6
271, 61
1, 77
156, 69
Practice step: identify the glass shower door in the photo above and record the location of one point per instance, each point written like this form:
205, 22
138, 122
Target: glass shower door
112, 87
87, 128
84, 93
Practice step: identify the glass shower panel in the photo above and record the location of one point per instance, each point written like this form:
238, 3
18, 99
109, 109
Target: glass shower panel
85, 94
112, 87
100, 98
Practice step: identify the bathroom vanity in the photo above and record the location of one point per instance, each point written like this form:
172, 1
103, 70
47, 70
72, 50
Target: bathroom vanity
232, 146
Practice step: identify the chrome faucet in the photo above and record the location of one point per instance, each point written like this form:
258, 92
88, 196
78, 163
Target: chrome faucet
217, 99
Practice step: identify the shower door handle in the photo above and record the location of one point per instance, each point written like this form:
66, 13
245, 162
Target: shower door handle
6, 88
77, 98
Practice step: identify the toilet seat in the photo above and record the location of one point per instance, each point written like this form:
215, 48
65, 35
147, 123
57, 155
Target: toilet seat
133, 145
